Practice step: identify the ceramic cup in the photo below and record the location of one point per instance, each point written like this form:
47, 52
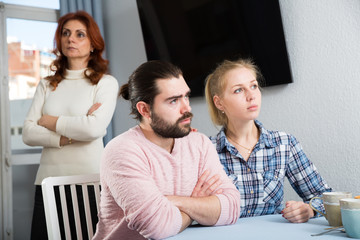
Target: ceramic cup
350, 215
332, 206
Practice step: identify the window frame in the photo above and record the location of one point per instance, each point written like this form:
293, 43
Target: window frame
7, 157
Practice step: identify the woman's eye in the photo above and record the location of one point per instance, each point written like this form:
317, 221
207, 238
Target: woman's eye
255, 86
81, 35
66, 33
238, 90
173, 101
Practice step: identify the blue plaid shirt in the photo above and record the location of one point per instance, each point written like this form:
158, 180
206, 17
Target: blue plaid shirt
260, 179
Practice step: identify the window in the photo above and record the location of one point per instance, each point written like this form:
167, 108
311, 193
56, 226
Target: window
29, 46
29, 38
29, 55
52, 4
25, 56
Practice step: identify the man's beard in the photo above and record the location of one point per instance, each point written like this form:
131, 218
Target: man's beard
167, 130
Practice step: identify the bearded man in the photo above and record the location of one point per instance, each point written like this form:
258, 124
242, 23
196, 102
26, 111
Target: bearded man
160, 176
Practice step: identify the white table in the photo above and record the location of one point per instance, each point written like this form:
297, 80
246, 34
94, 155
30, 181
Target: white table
263, 227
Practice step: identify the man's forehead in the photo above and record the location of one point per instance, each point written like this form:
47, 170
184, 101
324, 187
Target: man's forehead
172, 86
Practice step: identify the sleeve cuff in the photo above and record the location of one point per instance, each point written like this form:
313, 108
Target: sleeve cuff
54, 140
224, 214
318, 205
178, 223
61, 125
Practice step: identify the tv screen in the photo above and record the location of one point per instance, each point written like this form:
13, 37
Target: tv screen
198, 35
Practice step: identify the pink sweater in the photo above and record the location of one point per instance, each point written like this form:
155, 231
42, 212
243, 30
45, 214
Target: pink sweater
136, 175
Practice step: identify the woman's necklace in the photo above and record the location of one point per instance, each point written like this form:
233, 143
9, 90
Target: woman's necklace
248, 149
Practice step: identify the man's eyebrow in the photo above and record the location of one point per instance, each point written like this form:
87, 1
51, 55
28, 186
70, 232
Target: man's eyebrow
177, 96
173, 97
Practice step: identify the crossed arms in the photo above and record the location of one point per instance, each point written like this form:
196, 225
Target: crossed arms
159, 201
49, 122
202, 206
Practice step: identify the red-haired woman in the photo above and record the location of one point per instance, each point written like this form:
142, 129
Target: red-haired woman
71, 109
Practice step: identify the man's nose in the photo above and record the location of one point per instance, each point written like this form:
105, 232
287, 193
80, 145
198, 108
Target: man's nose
185, 107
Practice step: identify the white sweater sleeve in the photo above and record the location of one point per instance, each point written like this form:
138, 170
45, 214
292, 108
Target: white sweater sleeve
88, 128
34, 134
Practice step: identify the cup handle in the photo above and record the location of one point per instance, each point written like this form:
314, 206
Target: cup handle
315, 208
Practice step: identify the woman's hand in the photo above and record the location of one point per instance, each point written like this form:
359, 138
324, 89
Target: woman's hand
297, 212
205, 188
66, 141
93, 108
48, 122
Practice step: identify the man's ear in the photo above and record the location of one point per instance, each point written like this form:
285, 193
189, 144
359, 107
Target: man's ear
217, 102
144, 109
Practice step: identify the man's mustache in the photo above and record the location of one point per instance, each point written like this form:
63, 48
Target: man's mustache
185, 116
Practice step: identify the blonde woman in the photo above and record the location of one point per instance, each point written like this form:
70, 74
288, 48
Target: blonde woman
257, 159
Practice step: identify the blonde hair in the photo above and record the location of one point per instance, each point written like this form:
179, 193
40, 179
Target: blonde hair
215, 85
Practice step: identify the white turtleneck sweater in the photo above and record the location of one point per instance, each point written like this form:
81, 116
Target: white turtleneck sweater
70, 102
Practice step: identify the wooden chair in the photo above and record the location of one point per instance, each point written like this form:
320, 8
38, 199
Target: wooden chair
73, 211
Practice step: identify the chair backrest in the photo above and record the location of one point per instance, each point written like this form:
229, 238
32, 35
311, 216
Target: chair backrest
68, 187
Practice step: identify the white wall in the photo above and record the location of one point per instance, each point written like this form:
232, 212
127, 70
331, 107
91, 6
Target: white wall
321, 107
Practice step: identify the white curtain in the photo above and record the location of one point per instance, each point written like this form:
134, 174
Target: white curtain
94, 8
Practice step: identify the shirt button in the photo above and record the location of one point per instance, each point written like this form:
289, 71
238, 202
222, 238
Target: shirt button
248, 170
251, 191
248, 211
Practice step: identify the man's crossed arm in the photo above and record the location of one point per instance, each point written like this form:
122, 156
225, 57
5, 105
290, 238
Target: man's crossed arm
202, 206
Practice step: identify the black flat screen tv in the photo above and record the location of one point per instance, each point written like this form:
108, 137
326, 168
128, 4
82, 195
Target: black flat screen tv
196, 35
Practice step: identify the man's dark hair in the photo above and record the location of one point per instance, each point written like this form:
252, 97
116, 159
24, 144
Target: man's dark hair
142, 83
